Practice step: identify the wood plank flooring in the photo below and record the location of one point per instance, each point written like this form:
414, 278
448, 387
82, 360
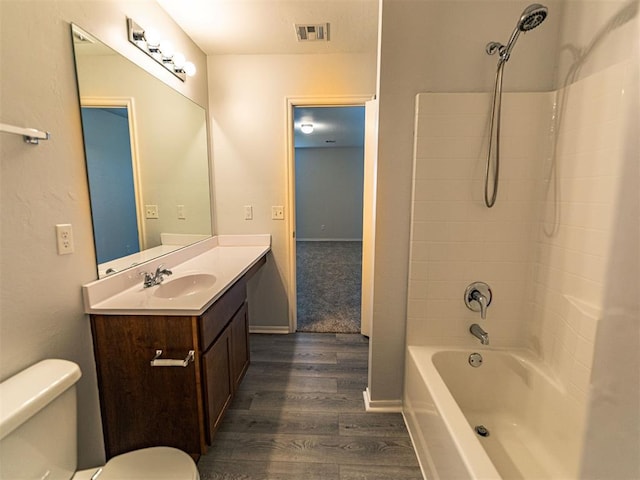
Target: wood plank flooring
299, 415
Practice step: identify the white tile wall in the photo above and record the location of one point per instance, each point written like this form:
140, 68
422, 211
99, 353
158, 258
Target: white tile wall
455, 239
544, 246
572, 262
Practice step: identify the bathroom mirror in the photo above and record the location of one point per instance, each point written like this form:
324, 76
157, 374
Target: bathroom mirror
147, 159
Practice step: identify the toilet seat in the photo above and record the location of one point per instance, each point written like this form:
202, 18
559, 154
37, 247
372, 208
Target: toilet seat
157, 463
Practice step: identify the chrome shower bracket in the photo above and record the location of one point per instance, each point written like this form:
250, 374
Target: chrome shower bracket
493, 47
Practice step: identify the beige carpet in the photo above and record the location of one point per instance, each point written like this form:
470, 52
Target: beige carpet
329, 282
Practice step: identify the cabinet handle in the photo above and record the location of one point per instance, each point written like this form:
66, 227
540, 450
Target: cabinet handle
172, 362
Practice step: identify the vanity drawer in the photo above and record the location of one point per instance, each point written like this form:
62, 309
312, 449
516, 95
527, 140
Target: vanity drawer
216, 318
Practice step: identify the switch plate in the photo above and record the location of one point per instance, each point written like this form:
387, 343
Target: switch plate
181, 212
248, 212
277, 212
64, 238
151, 211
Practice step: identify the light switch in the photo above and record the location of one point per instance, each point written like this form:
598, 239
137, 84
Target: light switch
248, 212
277, 212
181, 212
151, 211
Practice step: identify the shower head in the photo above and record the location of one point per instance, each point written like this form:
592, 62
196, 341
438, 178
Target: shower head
531, 17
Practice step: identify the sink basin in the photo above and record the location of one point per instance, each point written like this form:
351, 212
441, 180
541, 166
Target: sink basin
185, 285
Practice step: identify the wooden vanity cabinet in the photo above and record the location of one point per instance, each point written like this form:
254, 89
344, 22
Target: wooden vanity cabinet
144, 406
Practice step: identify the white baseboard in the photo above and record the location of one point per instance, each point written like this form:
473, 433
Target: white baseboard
393, 406
280, 330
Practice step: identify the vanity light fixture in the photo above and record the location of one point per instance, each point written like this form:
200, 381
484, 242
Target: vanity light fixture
162, 51
306, 128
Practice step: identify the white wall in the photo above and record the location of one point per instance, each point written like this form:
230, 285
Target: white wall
579, 311
432, 46
456, 239
249, 109
41, 303
596, 244
329, 186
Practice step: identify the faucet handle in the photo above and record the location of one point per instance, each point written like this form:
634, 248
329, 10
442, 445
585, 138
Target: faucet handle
162, 271
148, 279
477, 297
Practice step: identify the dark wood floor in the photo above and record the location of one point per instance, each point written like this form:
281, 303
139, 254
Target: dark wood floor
299, 415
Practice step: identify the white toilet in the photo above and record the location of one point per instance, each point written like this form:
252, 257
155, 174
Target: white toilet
38, 433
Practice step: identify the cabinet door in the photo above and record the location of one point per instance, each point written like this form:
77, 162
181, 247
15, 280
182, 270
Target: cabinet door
218, 385
239, 345
144, 406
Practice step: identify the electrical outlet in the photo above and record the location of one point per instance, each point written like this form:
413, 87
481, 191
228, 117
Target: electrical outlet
151, 211
64, 238
277, 213
248, 212
181, 212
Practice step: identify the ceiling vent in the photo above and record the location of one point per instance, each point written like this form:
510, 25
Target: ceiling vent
312, 33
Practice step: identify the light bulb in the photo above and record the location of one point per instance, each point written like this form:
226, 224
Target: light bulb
179, 60
189, 69
166, 47
152, 37
306, 128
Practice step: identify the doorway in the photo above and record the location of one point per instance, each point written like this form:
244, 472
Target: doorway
110, 173
326, 190
329, 176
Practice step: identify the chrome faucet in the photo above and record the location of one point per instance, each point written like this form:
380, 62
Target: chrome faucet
477, 331
477, 297
152, 279
482, 301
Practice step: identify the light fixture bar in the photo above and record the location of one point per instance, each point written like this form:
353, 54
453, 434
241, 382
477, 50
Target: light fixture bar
161, 51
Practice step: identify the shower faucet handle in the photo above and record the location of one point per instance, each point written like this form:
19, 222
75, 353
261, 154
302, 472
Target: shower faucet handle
477, 297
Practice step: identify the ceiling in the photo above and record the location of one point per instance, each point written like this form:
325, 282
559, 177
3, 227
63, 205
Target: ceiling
267, 27
248, 27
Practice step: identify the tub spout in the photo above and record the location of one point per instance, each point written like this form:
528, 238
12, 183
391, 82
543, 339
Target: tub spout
477, 331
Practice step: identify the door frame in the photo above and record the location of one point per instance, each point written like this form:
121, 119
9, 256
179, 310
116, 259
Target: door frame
291, 103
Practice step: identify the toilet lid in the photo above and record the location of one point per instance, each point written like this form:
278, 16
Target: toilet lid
151, 463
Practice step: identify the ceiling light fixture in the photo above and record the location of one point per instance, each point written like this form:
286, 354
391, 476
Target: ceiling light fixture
306, 128
162, 51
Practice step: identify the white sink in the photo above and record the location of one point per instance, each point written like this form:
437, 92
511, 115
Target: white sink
201, 274
185, 285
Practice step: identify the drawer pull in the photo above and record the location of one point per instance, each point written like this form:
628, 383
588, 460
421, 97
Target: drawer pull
171, 362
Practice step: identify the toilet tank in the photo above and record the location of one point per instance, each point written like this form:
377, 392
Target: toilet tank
38, 423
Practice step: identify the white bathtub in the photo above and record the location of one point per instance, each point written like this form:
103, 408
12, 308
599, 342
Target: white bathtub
535, 428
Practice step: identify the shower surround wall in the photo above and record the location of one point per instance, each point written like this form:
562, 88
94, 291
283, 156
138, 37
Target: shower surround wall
575, 237
546, 247
455, 239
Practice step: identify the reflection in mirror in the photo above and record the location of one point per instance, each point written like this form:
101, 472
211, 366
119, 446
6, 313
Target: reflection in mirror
147, 162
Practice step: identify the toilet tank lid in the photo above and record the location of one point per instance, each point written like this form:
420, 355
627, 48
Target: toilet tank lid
28, 392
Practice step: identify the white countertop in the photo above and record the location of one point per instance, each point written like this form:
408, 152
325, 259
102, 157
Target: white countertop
227, 257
